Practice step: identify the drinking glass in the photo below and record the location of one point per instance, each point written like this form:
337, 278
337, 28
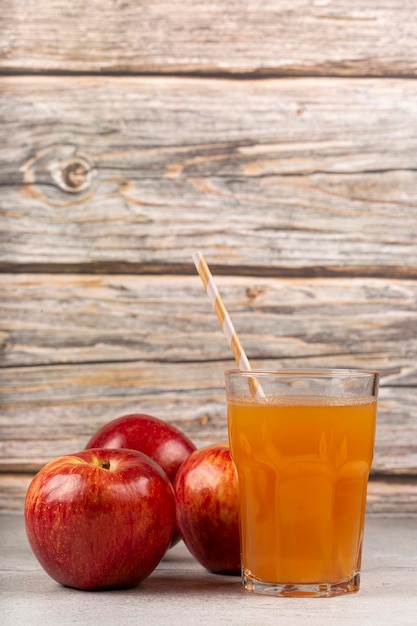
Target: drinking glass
302, 443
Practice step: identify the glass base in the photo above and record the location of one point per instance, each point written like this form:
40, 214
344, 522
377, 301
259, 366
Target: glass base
301, 590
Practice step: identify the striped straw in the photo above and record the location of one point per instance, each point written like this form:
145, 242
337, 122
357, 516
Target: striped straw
225, 321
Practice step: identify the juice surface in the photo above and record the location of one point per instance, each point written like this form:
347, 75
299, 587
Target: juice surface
303, 468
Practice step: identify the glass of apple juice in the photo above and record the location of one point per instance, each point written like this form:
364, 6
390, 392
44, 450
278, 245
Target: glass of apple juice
302, 443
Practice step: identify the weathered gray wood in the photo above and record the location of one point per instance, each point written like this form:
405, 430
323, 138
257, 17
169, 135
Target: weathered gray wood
285, 174
13, 489
52, 410
312, 180
167, 323
280, 36
59, 319
392, 496
75, 319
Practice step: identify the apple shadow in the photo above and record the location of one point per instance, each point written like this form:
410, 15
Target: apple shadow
188, 584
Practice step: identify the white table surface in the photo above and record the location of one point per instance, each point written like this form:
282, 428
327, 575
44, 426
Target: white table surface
181, 592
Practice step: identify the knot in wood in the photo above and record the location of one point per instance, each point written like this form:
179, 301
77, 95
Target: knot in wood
253, 292
74, 175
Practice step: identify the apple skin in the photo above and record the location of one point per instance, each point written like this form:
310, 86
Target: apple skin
207, 500
100, 519
164, 443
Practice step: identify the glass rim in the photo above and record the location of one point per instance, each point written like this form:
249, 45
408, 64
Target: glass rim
319, 372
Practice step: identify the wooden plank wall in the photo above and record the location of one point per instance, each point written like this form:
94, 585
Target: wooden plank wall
280, 139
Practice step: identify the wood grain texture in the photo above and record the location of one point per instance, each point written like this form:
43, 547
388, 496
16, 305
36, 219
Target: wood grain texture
289, 174
50, 319
80, 350
52, 410
279, 139
278, 36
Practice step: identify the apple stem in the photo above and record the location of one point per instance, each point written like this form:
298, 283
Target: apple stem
105, 465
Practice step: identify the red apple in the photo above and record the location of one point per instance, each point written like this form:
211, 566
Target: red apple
100, 519
207, 500
164, 443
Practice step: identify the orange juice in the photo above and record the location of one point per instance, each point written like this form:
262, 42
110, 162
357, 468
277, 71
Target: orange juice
303, 466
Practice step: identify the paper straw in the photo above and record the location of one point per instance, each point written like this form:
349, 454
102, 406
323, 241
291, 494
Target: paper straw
225, 321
